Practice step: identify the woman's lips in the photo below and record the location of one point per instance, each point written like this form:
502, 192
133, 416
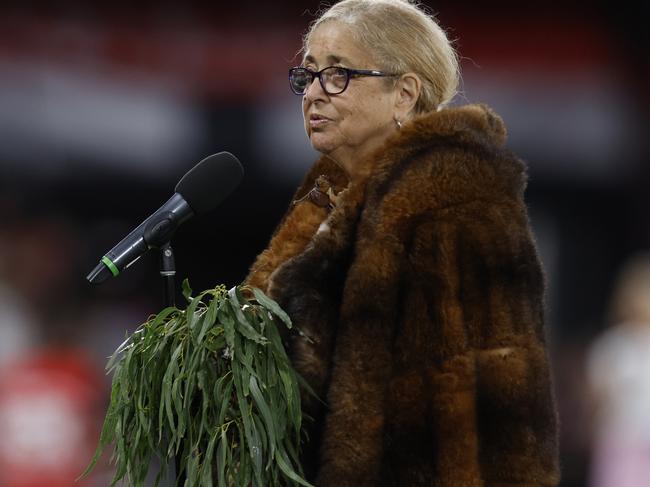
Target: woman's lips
316, 121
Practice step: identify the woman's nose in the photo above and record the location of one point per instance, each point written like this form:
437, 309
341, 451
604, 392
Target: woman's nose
315, 90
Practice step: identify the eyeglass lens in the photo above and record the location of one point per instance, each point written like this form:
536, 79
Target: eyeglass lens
333, 79
300, 79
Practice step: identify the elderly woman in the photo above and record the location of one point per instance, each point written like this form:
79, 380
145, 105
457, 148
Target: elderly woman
407, 261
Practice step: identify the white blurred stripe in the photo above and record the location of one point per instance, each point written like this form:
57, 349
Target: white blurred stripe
49, 115
581, 124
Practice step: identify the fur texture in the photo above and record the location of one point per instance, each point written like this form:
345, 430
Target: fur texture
423, 295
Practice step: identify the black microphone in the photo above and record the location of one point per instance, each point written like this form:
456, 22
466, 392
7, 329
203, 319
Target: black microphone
203, 187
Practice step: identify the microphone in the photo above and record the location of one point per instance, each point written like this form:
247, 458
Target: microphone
201, 189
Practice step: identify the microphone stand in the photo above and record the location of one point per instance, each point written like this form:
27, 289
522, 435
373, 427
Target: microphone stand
168, 273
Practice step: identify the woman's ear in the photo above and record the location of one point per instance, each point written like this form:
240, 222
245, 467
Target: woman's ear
408, 88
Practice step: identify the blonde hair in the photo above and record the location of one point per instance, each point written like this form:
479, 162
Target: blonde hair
402, 38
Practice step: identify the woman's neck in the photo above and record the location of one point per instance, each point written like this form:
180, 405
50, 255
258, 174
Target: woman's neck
357, 164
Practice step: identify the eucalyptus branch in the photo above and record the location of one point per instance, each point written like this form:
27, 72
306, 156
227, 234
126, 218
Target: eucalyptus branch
211, 385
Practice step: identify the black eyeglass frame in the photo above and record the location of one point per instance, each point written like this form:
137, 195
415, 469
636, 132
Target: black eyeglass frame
350, 73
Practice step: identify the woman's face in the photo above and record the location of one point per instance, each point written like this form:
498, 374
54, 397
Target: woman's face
351, 124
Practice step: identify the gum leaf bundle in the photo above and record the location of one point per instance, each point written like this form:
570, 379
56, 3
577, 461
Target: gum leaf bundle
211, 386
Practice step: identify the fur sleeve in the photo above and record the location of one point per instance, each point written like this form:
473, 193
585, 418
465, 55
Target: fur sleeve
471, 351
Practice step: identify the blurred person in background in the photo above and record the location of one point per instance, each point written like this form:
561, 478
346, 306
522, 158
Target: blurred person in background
618, 371
17, 321
407, 260
51, 391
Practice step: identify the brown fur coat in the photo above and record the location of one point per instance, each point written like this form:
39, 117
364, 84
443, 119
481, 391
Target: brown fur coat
422, 292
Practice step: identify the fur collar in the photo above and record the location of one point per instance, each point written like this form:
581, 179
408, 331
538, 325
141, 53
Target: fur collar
438, 159
454, 177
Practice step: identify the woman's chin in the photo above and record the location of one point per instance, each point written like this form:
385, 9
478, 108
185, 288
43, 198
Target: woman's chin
321, 143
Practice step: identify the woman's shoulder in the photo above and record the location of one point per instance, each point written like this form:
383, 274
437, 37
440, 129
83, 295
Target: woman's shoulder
449, 157
470, 124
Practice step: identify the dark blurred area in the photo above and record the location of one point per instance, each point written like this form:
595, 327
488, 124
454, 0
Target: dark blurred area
105, 105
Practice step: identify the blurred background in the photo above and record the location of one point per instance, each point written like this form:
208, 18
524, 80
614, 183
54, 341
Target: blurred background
105, 105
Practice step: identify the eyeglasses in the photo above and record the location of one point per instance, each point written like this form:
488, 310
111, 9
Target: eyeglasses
333, 79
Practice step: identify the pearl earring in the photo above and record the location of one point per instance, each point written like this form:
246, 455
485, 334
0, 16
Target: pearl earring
399, 124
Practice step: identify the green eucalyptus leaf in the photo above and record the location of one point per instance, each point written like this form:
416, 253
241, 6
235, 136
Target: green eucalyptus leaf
243, 326
187, 290
285, 466
270, 304
228, 321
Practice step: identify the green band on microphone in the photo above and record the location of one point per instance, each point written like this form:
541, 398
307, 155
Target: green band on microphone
114, 270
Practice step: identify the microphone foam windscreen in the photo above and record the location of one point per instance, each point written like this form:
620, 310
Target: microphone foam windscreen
210, 182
